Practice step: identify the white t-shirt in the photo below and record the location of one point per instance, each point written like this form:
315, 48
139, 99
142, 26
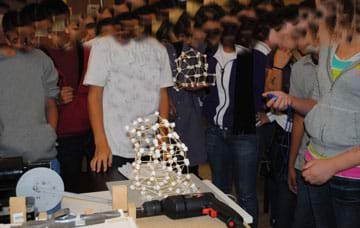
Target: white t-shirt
132, 75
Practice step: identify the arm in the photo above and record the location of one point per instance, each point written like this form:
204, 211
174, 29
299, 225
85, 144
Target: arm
52, 112
283, 101
164, 103
274, 75
296, 138
102, 156
320, 171
273, 80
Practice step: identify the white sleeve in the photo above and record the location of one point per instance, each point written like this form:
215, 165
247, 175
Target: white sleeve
99, 62
166, 79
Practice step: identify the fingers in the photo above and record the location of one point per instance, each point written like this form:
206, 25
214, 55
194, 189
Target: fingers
292, 185
104, 163
110, 160
67, 94
93, 165
308, 164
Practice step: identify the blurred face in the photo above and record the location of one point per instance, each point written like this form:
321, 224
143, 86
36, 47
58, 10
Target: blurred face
60, 32
304, 36
22, 39
121, 8
124, 31
107, 30
266, 7
74, 31
323, 17
274, 38
250, 13
287, 36
213, 31
197, 38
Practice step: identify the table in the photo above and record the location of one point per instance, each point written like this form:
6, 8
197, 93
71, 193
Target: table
79, 206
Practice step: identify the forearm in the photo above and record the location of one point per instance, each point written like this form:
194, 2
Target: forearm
302, 106
346, 160
95, 101
164, 106
273, 80
52, 113
296, 138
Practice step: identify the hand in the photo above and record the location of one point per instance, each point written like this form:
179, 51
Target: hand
195, 88
282, 57
102, 158
261, 119
281, 103
318, 171
292, 180
172, 111
66, 95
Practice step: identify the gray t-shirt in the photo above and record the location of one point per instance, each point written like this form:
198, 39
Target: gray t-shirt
27, 80
132, 75
302, 82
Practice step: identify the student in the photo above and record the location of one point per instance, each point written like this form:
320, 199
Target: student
128, 79
333, 153
28, 91
231, 141
75, 141
302, 82
187, 112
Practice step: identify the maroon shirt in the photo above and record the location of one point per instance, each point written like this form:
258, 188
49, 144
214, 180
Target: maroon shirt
74, 116
67, 64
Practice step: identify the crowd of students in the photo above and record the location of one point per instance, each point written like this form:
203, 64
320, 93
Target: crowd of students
287, 80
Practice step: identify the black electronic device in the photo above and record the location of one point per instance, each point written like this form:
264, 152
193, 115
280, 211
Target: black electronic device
193, 205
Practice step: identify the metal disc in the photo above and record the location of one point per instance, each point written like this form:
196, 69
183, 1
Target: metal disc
44, 184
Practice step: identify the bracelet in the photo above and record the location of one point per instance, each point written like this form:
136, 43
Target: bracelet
277, 68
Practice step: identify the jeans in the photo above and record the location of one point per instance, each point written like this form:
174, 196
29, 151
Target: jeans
71, 152
55, 165
282, 200
304, 216
320, 197
345, 195
234, 158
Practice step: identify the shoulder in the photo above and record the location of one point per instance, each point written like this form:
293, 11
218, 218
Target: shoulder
103, 42
38, 55
300, 64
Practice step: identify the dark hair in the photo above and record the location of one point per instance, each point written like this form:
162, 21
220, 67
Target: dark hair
32, 13
56, 7
11, 21
102, 23
236, 7
124, 17
308, 4
144, 10
119, 2
165, 4
183, 25
163, 31
246, 32
262, 28
206, 13
4, 6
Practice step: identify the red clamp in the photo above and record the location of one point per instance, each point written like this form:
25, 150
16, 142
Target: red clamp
209, 211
